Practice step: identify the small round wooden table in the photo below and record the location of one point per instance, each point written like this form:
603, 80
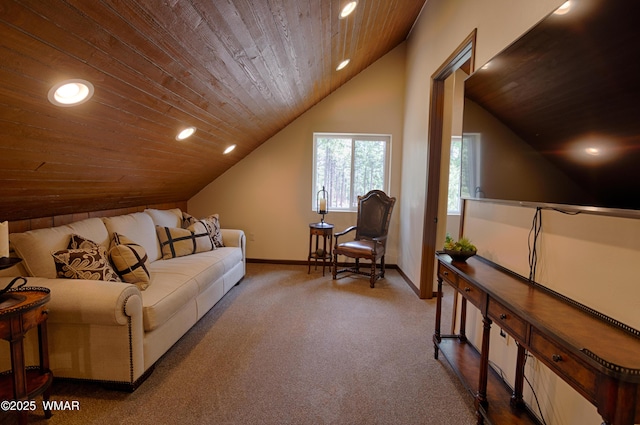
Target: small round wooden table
326, 231
20, 310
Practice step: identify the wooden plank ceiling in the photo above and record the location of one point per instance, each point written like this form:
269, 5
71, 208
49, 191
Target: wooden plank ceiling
237, 70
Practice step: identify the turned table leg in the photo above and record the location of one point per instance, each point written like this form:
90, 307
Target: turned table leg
436, 334
481, 397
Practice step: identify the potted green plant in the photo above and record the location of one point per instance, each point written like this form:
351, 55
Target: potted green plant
459, 250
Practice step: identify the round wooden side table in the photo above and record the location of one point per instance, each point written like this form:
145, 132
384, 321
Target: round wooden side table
326, 231
20, 310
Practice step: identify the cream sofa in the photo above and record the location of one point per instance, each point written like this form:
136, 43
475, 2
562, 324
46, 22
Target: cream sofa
115, 332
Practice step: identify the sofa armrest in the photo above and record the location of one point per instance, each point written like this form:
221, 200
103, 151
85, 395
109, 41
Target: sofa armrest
234, 238
88, 301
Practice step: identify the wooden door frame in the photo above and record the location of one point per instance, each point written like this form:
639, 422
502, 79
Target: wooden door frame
465, 53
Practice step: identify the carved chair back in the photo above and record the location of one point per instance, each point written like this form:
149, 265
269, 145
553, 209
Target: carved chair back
374, 215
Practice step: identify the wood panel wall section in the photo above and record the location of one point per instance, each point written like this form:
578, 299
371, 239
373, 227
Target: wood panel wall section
60, 220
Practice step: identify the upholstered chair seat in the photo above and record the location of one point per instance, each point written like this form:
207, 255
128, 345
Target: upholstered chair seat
363, 249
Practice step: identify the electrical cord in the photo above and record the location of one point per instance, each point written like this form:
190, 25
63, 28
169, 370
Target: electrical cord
535, 396
534, 234
565, 212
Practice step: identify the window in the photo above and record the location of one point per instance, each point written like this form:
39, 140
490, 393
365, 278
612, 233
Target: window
455, 165
348, 166
463, 170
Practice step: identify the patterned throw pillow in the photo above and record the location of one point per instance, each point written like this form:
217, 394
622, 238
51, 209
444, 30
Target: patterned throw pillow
130, 261
213, 226
84, 263
80, 242
187, 220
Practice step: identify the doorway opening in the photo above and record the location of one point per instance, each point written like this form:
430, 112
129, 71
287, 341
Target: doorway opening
434, 220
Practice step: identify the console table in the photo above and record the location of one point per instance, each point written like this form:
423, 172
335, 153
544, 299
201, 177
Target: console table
596, 355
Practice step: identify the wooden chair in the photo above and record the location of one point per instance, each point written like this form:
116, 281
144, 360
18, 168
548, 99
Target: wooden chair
370, 242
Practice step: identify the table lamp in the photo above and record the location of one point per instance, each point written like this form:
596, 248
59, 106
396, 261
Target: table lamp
321, 203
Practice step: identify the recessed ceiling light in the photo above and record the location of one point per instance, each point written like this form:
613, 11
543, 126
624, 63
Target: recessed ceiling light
229, 149
592, 151
348, 8
343, 64
186, 133
564, 8
70, 92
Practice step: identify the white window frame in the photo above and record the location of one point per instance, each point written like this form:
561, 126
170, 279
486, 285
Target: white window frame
354, 137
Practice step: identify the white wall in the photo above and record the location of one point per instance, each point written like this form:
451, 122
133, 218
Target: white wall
592, 259
268, 194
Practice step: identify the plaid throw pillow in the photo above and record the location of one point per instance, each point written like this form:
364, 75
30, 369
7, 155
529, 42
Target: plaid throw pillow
176, 242
202, 236
130, 261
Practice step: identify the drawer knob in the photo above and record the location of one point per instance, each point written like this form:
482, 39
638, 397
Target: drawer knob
556, 358
446, 273
503, 316
467, 289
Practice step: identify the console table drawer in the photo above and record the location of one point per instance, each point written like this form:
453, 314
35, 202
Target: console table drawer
581, 376
447, 274
506, 319
472, 293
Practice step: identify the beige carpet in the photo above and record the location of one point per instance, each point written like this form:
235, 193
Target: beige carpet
285, 347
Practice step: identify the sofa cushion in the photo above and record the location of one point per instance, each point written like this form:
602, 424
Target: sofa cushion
166, 218
35, 246
228, 256
84, 263
139, 228
205, 267
167, 294
130, 261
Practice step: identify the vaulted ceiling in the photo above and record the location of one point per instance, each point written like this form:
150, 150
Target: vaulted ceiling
237, 70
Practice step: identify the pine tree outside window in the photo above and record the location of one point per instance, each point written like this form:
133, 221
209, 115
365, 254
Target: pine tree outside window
348, 166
